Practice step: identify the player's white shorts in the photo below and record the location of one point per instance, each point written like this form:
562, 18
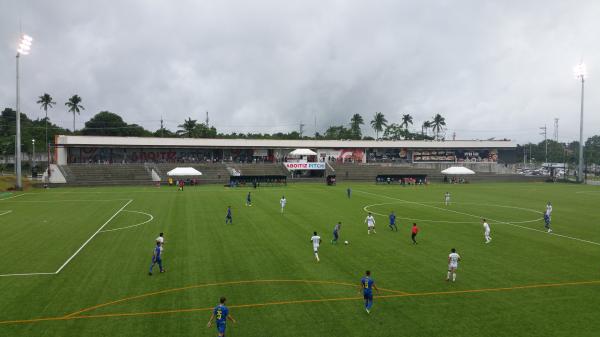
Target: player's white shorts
316, 249
487, 233
371, 226
452, 266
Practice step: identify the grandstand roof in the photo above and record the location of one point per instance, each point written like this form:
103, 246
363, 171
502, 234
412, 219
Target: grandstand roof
102, 141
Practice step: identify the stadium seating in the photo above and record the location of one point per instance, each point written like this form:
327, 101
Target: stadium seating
91, 174
138, 174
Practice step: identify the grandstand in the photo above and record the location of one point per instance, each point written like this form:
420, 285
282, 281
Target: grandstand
96, 160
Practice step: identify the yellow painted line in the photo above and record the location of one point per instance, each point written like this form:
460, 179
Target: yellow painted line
214, 285
255, 305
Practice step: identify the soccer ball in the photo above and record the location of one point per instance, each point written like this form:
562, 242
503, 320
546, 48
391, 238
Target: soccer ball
346, 242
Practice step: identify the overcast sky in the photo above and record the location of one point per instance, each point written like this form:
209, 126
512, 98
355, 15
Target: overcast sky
492, 69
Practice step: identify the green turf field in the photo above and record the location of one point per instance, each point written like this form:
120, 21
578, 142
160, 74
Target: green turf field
85, 254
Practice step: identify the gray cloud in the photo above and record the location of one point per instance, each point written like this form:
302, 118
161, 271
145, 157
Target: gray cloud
493, 69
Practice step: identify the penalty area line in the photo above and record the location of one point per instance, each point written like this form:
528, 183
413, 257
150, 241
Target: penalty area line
5, 212
480, 217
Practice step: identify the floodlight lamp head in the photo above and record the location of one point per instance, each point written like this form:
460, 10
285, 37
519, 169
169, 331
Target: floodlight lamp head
580, 71
25, 45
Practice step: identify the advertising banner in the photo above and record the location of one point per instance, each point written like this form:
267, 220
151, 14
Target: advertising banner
305, 166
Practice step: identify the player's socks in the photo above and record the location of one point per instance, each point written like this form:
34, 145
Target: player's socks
453, 277
317, 256
448, 277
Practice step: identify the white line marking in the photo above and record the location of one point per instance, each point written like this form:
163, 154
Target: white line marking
480, 217
26, 274
59, 201
6, 212
14, 196
367, 209
91, 237
151, 217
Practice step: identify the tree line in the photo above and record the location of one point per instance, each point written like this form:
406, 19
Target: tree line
106, 123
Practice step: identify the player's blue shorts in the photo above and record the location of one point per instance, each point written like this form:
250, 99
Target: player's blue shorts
221, 327
335, 235
368, 295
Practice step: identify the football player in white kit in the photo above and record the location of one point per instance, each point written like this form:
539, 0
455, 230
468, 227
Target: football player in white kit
370, 221
316, 241
453, 259
549, 208
447, 198
486, 231
282, 202
160, 239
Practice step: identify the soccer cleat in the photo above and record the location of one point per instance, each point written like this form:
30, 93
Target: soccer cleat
162, 271
549, 230
149, 274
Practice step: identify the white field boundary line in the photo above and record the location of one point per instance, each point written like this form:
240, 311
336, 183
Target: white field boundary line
150, 218
78, 250
480, 217
5, 212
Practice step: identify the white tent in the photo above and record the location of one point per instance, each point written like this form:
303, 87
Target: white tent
184, 172
458, 171
303, 152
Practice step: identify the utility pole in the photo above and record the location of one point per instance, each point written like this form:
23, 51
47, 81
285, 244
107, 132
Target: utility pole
545, 133
207, 119
556, 130
453, 135
162, 127
301, 129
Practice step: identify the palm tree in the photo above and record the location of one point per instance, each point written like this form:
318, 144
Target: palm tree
74, 107
425, 127
355, 122
187, 128
45, 101
438, 124
378, 123
406, 119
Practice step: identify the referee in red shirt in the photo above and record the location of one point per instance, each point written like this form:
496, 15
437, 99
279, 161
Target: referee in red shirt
414, 231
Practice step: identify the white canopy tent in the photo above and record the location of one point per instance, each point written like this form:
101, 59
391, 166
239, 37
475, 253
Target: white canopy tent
458, 171
184, 172
303, 152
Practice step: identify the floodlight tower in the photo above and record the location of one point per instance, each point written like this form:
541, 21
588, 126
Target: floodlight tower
23, 49
580, 73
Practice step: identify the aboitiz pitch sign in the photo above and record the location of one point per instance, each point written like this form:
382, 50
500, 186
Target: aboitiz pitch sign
305, 166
